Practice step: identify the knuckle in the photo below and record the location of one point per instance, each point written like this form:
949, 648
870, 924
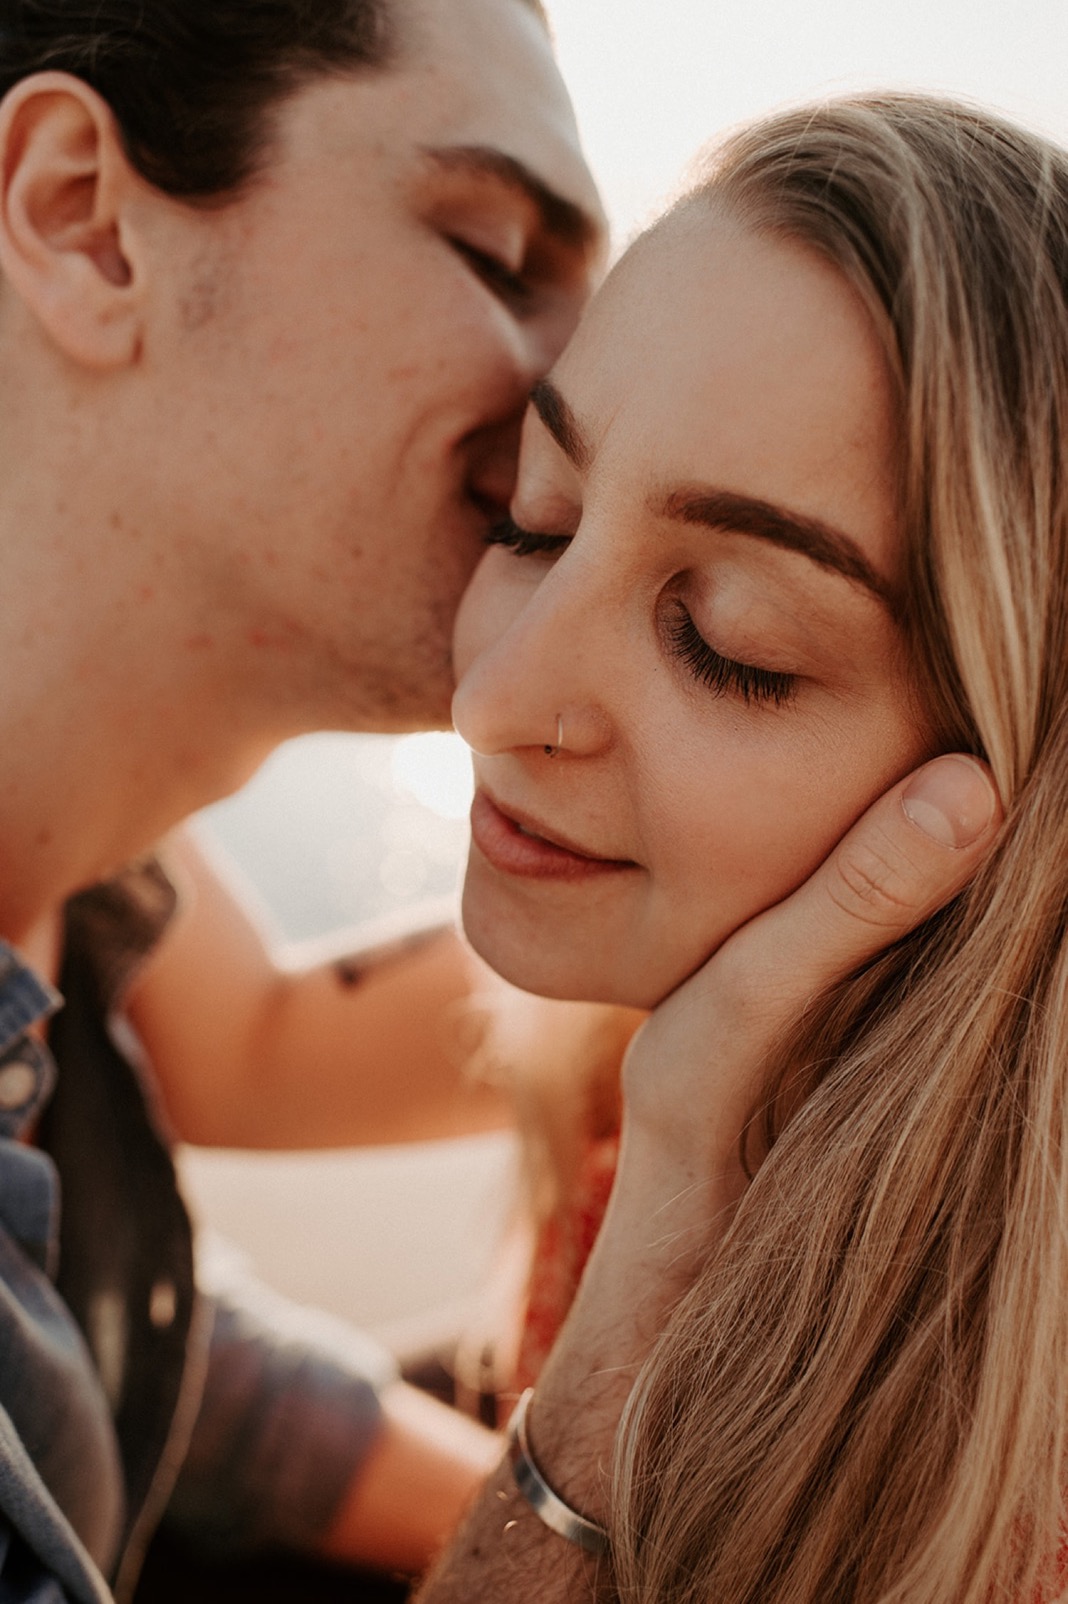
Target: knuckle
874, 884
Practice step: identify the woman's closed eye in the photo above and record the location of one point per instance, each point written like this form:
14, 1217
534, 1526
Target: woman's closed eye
525, 542
725, 676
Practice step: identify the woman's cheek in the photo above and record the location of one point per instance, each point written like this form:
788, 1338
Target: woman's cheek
742, 844
781, 820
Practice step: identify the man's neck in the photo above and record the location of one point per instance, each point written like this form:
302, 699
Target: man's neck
127, 703
70, 816
111, 732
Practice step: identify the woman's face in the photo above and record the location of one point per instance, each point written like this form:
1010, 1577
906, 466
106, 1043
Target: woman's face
700, 598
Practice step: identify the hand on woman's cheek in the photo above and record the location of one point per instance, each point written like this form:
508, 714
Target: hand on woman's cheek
695, 1071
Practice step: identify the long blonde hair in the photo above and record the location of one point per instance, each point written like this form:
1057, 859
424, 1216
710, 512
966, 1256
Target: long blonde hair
865, 1396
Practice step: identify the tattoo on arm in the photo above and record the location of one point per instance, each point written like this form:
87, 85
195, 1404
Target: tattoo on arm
354, 969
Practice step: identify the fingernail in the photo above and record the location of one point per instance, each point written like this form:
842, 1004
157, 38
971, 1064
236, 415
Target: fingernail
950, 799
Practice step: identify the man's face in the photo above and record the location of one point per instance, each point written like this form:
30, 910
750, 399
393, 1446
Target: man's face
348, 353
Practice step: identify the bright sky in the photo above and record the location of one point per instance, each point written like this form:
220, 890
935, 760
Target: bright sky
654, 79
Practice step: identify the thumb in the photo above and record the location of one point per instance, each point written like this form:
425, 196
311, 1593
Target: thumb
908, 855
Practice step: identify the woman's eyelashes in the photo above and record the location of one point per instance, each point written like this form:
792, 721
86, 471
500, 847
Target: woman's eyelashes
525, 542
725, 676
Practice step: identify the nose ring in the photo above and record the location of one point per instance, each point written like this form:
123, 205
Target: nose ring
551, 751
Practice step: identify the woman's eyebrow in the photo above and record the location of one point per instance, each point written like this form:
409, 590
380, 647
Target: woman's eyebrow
726, 510
731, 513
561, 423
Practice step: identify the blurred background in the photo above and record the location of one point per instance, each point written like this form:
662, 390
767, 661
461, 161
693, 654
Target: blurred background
338, 830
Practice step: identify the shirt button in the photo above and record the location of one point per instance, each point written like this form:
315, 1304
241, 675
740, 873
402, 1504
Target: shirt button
18, 1083
162, 1304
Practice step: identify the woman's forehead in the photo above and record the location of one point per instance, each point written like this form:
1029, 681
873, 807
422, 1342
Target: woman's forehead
746, 363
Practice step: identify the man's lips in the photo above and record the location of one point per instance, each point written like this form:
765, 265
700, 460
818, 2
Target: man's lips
515, 844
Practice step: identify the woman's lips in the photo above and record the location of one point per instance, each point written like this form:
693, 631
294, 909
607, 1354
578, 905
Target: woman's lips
516, 849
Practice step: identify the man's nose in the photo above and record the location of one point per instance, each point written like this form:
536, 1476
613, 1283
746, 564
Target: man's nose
548, 330
494, 458
537, 340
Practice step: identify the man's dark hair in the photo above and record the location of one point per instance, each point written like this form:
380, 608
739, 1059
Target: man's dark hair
191, 82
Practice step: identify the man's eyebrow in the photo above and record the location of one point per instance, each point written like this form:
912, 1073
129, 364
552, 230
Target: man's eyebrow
561, 423
563, 219
745, 515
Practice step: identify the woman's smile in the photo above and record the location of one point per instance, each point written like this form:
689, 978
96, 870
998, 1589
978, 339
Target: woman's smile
514, 845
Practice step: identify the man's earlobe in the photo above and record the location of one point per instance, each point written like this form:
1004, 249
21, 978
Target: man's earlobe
67, 246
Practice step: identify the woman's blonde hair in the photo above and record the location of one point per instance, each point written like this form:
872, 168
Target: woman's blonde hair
865, 1397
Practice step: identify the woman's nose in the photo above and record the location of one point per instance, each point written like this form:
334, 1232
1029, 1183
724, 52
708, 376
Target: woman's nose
537, 683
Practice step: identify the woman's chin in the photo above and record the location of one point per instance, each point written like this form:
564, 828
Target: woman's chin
555, 971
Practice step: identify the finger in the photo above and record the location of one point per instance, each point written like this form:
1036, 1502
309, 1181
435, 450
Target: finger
908, 855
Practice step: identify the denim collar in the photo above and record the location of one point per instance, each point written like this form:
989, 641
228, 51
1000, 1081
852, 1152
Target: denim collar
27, 1071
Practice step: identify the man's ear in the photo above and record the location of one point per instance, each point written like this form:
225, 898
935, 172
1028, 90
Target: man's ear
67, 243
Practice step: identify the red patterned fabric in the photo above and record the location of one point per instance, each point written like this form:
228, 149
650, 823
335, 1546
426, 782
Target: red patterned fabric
560, 1252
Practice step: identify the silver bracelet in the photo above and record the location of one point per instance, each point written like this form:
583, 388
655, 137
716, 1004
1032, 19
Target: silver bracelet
547, 1505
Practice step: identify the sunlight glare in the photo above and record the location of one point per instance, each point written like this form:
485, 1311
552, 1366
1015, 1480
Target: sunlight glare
435, 769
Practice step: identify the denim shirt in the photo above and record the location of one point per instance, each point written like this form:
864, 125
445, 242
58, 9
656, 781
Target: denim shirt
60, 1477
114, 1373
